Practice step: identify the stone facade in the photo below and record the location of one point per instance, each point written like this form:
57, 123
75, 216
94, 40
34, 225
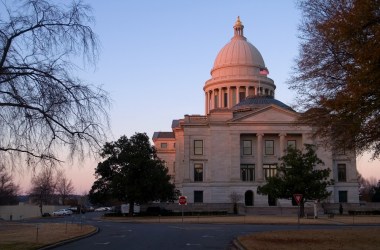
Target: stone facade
238, 142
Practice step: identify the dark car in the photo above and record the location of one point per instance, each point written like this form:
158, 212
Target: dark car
154, 211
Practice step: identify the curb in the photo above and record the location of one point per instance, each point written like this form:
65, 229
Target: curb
236, 245
63, 242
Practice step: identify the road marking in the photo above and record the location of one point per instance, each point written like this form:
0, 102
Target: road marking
192, 244
182, 228
102, 243
208, 236
119, 236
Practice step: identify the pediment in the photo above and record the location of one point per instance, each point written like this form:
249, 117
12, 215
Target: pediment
271, 113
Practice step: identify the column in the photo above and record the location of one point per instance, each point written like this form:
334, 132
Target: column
220, 104
246, 91
186, 158
282, 144
229, 100
212, 100
235, 157
259, 161
206, 103
237, 94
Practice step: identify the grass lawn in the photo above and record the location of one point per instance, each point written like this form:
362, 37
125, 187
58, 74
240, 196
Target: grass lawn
24, 236
355, 238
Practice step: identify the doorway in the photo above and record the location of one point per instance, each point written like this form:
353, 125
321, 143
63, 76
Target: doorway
248, 198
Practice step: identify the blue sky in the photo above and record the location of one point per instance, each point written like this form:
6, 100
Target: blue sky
156, 56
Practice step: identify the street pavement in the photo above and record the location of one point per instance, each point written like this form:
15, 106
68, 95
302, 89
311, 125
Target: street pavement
156, 235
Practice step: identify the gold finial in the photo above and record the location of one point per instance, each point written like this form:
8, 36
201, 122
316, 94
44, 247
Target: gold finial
238, 22
238, 27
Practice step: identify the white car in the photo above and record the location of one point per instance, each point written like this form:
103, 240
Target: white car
101, 209
62, 212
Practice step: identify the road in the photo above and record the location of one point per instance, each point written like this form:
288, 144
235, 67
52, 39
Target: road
126, 235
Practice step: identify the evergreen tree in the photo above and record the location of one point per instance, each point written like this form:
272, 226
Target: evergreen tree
131, 172
298, 174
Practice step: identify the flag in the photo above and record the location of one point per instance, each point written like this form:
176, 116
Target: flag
264, 71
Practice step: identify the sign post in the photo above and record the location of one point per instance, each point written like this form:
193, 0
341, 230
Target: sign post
182, 200
298, 198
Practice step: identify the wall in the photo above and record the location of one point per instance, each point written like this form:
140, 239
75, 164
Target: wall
24, 211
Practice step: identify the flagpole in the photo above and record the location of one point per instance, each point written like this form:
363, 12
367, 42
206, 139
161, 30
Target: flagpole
259, 86
265, 72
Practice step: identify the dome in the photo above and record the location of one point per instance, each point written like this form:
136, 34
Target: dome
239, 71
237, 53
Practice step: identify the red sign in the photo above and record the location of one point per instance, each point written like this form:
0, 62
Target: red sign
182, 200
298, 198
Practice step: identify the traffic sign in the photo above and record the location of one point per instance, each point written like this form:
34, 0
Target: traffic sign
182, 200
297, 198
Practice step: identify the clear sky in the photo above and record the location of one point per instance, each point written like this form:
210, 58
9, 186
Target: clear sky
156, 56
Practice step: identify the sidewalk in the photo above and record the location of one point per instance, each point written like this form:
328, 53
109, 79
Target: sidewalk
251, 219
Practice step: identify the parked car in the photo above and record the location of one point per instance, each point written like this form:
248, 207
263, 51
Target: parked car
62, 212
73, 209
101, 209
90, 209
153, 211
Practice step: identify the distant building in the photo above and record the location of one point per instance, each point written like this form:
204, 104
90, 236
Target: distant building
237, 144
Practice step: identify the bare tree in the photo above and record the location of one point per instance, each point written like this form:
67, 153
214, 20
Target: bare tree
367, 188
43, 104
64, 186
8, 189
43, 187
337, 72
235, 198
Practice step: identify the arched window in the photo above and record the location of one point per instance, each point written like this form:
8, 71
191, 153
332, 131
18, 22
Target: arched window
248, 198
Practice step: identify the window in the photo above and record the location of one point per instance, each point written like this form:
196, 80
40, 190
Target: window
241, 96
247, 172
269, 147
198, 147
233, 96
216, 97
342, 172
225, 97
164, 145
342, 196
270, 170
198, 196
247, 147
248, 198
292, 144
198, 172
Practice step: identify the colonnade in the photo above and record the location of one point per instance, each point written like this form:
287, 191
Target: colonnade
227, 97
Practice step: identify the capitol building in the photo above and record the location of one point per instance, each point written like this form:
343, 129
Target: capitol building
236, 145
